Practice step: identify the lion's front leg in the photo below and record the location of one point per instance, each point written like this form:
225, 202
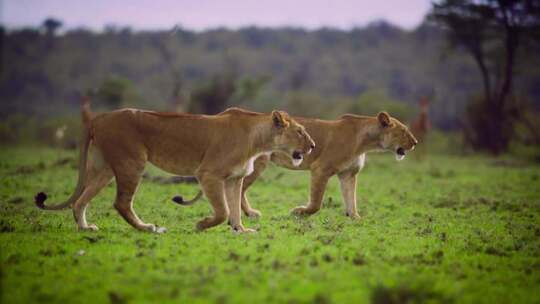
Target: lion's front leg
233, 190
347, 182
319, 179
260, 165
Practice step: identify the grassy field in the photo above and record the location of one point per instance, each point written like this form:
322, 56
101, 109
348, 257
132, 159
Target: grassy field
447, 229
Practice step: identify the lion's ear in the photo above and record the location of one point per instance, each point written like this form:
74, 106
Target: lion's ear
384, 119
280, 119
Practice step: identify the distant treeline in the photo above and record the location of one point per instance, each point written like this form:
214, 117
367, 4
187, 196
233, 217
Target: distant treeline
305, 72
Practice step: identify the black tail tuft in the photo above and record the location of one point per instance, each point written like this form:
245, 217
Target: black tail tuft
179, 200
40, 200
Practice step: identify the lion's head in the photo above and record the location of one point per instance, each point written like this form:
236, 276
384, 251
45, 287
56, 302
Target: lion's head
395, 136
290, 137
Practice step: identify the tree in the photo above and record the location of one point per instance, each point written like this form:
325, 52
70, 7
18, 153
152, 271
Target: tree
51, 25
179, 98
247, 89
115, 91
491, 31
214, 96
2, 38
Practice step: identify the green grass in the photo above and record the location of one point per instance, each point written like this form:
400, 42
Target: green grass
447, 229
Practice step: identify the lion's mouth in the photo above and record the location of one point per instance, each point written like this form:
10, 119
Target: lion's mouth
297, 158
400, 153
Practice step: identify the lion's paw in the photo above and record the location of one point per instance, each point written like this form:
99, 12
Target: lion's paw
241, 229
354, 216
203, 224
91, 227
153, 228
300, 211
254, 214
161, 230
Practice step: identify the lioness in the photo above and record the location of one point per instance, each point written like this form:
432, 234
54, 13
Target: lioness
218, 149
341, 148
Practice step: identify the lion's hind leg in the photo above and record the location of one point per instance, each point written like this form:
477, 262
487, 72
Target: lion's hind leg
214, 190
319, 180
96, 181
98, 175
128, 175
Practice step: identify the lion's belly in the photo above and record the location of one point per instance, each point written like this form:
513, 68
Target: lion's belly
181, 164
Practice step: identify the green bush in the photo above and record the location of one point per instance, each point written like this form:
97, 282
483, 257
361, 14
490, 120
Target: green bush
373, 101
116, 92
304, 104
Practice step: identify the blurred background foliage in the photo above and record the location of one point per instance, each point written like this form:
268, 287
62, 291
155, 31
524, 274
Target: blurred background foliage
316, 73
494, 33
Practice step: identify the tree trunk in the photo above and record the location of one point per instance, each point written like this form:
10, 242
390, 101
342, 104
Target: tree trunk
511, 44
485, 75
503, 123
495, 134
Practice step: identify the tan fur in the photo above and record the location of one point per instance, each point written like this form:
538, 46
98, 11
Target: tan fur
421, 125
217, 149
340, 150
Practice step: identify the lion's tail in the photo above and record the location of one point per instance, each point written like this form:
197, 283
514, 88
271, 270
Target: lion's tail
180, 200
86, 113
85, 144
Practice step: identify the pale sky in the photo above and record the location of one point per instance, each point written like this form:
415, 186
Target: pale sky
203, 14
